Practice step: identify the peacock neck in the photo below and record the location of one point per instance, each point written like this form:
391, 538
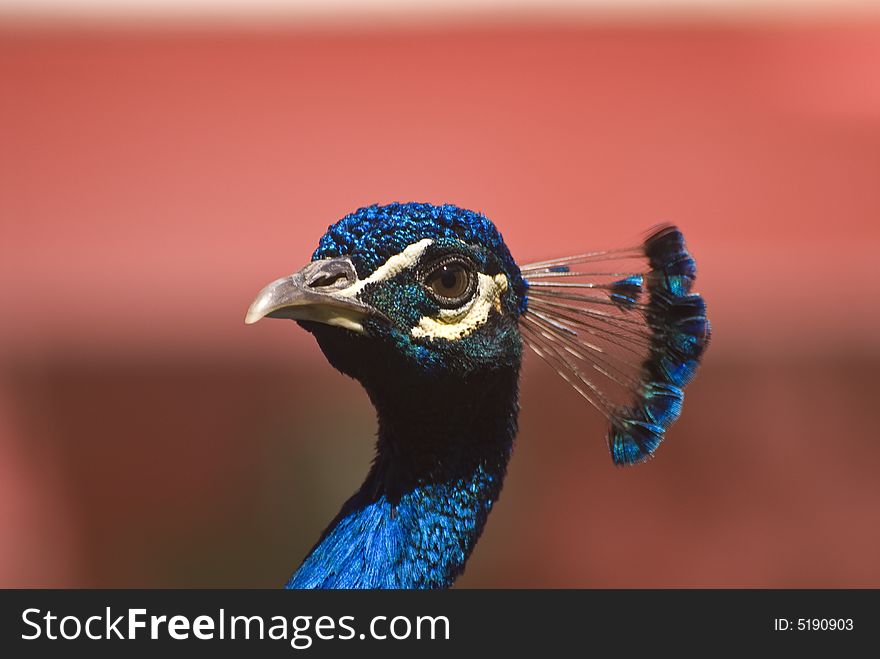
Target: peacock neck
442, 454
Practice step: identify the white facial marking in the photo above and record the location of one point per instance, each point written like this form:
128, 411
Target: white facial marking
453, 324
449, 324
393, 266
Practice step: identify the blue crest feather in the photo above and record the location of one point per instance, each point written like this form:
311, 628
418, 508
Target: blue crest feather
628, 338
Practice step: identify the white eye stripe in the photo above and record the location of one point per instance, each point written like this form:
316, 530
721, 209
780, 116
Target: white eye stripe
392, 267
454, 324
449, 324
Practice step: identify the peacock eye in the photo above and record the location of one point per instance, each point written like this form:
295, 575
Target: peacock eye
451, 283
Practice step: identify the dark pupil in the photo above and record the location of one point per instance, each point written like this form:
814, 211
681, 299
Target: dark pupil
449, 277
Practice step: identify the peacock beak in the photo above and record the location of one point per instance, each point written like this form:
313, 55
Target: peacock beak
324, 291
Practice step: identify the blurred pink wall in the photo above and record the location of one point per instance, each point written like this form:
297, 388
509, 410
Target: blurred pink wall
152, 182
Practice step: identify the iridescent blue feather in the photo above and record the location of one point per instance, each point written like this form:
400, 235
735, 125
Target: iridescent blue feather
629, 342
626, 291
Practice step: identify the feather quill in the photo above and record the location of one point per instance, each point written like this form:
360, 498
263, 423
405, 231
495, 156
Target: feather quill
623, 328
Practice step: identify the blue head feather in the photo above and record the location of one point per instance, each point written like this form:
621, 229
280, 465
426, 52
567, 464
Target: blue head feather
680, 335
371, 235
447, 409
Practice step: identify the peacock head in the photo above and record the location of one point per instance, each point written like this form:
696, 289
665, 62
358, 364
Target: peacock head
415, 291
404, 296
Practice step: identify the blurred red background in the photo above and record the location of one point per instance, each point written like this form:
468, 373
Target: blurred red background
152, 181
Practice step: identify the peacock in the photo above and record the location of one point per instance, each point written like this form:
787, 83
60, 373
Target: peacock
424, 305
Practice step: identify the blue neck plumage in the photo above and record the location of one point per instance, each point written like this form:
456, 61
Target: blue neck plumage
438, 470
